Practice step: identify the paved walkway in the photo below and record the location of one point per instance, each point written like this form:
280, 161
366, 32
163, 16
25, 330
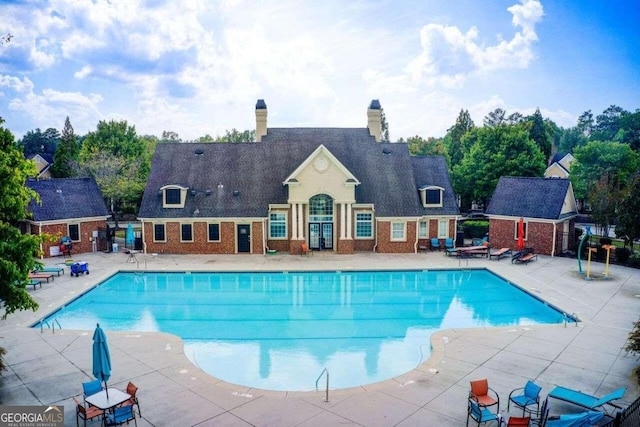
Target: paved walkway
48, 367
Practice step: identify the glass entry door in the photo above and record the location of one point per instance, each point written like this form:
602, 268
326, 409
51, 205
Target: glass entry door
320, 236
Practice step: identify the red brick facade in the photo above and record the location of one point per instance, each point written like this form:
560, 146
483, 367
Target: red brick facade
84, 245
228, 239
540, 235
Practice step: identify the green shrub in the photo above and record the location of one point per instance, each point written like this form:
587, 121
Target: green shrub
633, 342
475, 229
634, 260
2, 353
622, 255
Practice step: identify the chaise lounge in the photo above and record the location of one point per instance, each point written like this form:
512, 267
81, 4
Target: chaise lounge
500, 253
586, 400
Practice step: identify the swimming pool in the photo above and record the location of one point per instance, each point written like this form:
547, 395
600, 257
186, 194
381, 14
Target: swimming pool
278, 331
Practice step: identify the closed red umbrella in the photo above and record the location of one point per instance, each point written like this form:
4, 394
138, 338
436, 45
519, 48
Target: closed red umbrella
520, 244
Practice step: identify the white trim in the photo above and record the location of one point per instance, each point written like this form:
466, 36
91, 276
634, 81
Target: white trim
321, 150
192, 236
404, 231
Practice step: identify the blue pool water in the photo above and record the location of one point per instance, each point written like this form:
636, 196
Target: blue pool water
278, 331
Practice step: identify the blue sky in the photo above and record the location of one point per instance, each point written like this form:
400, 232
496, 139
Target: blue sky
197, 67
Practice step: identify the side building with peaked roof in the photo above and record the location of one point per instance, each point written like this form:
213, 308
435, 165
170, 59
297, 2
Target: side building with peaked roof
335, 189
547, 206
72, 207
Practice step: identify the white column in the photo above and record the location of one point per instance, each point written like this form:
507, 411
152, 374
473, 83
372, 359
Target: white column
343, 220
294, 222
301, 221
349, 220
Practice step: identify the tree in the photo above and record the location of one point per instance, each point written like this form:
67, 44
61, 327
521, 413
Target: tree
496, 151
628, 225
571, 139
38, 142
585, 123
629, 132
607, 124
514, 119
5, 39
538, 132
170, 136
119, 161
453, 139
234, 135
16, 249
205, 138
495, 118
597, 160
384, 127
419, 146
65, 161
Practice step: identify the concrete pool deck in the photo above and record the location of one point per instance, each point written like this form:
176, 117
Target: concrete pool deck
48, 367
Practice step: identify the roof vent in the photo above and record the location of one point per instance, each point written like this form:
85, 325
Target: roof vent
159, 192
220, 186
59, 191
199, 152
208, 192
193, 192
386, 150
236, 193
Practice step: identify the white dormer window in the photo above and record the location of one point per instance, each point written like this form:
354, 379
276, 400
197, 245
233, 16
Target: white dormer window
431, 196
173, 196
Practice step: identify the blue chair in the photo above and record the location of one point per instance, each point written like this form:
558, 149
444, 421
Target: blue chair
91, 387
526, 396
480, 413
448, 243
121, 415
435, 243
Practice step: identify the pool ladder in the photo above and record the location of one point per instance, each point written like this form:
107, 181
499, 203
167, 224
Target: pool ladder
52, 326
573, 316
324, 371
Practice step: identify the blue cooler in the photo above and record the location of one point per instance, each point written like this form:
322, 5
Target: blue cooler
78, 268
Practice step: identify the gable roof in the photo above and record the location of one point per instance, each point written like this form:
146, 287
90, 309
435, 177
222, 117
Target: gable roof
256, 170
67, 198
530, 197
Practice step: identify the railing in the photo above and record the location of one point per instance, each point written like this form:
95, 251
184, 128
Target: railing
52, 326
324, 371
573, 316
629, 417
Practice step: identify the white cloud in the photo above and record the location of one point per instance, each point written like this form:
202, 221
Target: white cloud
15, 84
449, 55
52, 107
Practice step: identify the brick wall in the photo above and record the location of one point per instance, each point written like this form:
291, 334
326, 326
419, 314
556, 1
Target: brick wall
385, 245
539, 235
59, 230
200, 245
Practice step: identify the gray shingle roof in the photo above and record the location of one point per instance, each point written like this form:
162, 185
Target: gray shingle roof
258, 169
68, 198
432, 170
529, 197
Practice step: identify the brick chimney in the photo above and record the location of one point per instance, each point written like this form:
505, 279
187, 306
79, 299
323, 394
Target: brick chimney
261, 119
374, 119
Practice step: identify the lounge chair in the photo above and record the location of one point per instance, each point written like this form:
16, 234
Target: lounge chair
435, 244
448, 243
56, 270
587, 418
526, 397
524, 259
500, 253
34, 283
586, 400
45, 276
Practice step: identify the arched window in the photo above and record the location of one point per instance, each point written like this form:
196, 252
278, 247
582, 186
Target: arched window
321, 208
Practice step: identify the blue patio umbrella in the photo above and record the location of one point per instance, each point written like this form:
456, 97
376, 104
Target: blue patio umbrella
101, 358
130, 237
